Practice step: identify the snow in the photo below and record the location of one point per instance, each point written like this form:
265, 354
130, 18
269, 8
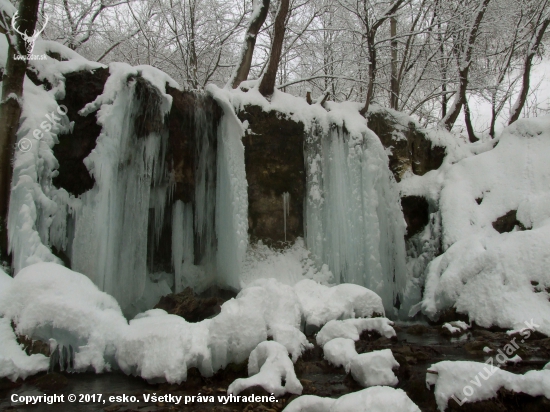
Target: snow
474, 381
374, 368
340, 352
368, 369
375, 399
288, 266
496, 279
48, 301
323, 303
352, 329
14, 362
54, 304
269, 366
456, 326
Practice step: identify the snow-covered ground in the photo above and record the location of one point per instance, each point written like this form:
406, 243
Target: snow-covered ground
49, 302
496, 279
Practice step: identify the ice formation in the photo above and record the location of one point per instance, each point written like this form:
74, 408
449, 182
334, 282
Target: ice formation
374, 399
466, 381
353, 215
269, 366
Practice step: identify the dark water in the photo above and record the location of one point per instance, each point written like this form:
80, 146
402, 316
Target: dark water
414, 351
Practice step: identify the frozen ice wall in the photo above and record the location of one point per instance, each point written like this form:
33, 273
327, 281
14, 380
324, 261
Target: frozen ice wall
110, 235
354, 221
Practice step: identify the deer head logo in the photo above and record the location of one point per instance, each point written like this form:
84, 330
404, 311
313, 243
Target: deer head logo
29, 40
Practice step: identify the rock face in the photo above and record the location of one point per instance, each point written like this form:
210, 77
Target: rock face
81, 88
411, 149
507, 222
194, 308
187, 112
416, 213
274, 160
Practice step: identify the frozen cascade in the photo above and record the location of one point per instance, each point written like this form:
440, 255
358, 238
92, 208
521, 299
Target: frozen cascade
110, 240
353, 216
231, 195
286, 208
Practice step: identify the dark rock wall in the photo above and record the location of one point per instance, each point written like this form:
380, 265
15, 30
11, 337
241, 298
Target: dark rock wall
411, 150
81, 88
274, 161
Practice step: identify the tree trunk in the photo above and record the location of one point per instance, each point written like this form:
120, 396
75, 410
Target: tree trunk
10, 110
267, 84
371, 35
468, 120
394, 97
372, 75
464, 67
528, 63
256, 22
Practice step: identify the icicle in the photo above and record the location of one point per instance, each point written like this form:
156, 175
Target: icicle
110, 241
286, 208
354, 221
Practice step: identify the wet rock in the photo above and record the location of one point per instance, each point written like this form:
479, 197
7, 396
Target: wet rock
416, 213
81, 88
32, 347
190, 306
507, 222
274, 161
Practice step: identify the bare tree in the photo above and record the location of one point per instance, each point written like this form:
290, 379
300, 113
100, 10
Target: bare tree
539, 28
370, 29
257, 19
267, 84
10, 106
463, 50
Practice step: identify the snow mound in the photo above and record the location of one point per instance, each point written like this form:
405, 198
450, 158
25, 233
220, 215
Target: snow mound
352, 329
323, 303
14, 362
466, 381
48, 301
52, 303
368, 369
375, 368
495, 278
375, 399
340, 352
269, 366
157, 345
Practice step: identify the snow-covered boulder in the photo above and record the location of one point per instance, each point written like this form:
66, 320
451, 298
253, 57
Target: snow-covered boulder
375, 399
269, 366
352, 329
48, 301
466, 381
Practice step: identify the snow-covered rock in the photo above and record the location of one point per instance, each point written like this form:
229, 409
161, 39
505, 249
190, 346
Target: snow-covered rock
48, 301
269, 366
375, 399
466, 381
352, 329
495, 278
368, 369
